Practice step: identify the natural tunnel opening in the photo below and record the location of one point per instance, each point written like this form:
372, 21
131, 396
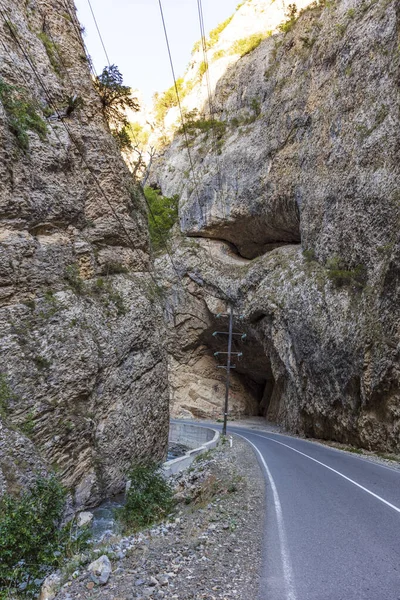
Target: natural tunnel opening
252, 374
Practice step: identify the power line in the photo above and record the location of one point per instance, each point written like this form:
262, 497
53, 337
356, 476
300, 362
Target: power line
163, 239
147, 202
179, 100
42, 85
50, 101
209, 92
98, 31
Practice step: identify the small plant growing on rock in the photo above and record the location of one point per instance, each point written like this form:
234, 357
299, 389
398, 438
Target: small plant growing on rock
149, 499
246, 45
341, 276
73, 277
291, 16
22, 114
5, 396
52, 50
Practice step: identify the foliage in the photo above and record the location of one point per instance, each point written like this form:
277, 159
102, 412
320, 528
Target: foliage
195, 123
139, 135
214, 36
215, 33
219, 54
246, 45
309, 255
22, 114
169, 99
31, 540
203, 68
341, 276
116, 98
123, 138
291, 16
73, 277
5, 396
52, 50
149, 499
103, 288
163, 214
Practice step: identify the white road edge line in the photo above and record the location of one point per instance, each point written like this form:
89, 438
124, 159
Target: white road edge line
333, 470
286, 562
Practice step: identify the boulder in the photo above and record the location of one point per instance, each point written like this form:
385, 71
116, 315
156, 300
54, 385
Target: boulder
100, 570
84, 519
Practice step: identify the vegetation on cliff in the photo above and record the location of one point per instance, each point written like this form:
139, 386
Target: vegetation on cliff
116, 99
163, 214
32, 540
22, 114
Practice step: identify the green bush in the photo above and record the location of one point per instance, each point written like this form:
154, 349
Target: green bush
215, 33
163, 214
149, 499
203, 68
32, 543
22, 114
168, 99
72, 275
195, 123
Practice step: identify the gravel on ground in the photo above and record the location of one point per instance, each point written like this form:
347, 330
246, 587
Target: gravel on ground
211, 549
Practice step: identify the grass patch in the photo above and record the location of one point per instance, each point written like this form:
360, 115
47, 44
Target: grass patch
168, 99
353, 450
246, 45
213, 37
22, 114
341, 276
74, 279
52, 50
386, 456
149, 499
291, 15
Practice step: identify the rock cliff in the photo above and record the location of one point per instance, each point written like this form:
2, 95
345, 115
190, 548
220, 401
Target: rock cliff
296, 188
83, 370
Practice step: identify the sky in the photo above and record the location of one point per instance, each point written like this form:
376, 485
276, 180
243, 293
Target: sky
134, 39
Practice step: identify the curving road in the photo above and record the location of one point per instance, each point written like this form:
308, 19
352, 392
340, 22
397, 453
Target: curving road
332, 523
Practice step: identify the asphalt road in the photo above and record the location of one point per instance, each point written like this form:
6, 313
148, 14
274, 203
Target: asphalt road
332, 523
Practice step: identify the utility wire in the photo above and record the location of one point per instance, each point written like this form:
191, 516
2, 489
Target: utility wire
78, 31
179, 101
209, 92
159, 231
42, 85
98, 31
62, 62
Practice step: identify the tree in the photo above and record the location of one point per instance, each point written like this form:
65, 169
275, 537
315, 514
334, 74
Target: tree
116, 98
163, 214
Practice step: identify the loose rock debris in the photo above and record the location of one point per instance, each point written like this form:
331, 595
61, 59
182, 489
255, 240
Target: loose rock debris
211, 548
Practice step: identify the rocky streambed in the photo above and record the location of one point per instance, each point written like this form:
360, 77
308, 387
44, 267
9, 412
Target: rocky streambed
209, 550
105, 524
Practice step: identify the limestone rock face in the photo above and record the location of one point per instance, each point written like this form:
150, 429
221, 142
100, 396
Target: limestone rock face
304, 184
83, 370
